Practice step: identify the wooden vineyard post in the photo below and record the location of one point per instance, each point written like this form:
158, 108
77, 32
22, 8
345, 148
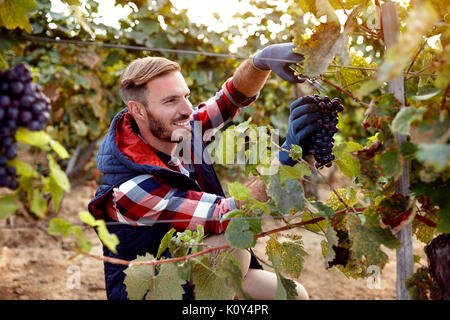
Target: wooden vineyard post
405, 263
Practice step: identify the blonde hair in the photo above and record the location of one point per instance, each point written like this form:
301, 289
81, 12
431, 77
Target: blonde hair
134, 78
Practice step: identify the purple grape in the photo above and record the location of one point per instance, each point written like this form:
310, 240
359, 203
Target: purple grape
12, 113
27, 100
2, 113
4, 101
17, 87
11, 171
4, 86
37, 108
10, 152
44, 117
35, 126
25, 116
8, 141
2, 171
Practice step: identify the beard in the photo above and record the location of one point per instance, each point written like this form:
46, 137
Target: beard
163, 132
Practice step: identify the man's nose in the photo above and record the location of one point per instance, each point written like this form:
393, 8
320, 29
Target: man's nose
187, 107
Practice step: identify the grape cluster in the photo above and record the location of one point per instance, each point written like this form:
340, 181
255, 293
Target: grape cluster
22, 104
321, 144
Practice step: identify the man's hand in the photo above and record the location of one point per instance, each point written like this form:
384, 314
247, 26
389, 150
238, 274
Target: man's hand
278, 58
302, 123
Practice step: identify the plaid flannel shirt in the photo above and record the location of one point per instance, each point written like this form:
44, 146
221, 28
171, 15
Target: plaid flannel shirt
145, 201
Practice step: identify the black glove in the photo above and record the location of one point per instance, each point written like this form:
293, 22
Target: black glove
269, 59
302, 123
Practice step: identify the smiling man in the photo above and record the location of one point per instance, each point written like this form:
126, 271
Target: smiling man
147, 188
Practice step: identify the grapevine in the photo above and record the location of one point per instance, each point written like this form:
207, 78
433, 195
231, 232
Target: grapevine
357, 221
22, 104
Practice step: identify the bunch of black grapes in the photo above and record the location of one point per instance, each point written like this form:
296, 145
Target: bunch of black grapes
321, 141
22, 104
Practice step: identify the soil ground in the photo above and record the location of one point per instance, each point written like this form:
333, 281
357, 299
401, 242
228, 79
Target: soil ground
34, 265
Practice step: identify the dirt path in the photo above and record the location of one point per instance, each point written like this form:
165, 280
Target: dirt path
35, 266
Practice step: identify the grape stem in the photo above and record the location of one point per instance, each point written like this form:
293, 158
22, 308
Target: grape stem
344, 91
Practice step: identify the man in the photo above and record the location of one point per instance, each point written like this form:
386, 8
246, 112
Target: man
148, 189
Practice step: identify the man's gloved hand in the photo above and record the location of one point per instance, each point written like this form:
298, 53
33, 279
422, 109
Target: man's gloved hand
269, 59
302, 123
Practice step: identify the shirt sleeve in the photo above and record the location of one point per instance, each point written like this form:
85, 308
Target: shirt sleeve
221, 109
144, 201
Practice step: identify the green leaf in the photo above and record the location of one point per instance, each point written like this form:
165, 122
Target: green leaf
80, 128
435, 154
38, 204
229, 268
110, 240
332, 241
57, 193
84, 243
238, 191
208, 284
59, 149
295, 173
58, 226
8, 205
404, 118
165, 242
286, 288
38, 139
288, 197
23, 168
346, 163
14, 13
390, 163
366, 241
57, 174
291, 253
137, 278
167, 284
87, 218
239, 235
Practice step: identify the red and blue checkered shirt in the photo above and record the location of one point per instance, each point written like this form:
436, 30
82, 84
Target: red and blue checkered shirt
143, 200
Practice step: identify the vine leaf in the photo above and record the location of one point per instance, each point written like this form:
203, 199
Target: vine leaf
286, 288
327, 40
238, 191
165, 242
167, 285
292, 255
288, 197
366, 241
295, 172
346, 163
404, 118
209, 285
110, 240
8, 205
435, 154
229, 268
137, 279
437, 192
38, 204
239, 235
389, 163
14, 13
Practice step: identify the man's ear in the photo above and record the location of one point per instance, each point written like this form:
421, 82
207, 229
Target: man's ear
137, 110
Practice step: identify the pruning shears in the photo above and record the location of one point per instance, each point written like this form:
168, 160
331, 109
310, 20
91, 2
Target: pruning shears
311, 81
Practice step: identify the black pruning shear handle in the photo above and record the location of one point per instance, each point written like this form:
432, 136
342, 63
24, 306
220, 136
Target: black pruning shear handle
311, 81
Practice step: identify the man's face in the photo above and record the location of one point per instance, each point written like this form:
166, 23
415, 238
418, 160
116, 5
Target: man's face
169, 109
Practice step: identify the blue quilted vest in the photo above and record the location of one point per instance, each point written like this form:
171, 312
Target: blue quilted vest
138, 240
